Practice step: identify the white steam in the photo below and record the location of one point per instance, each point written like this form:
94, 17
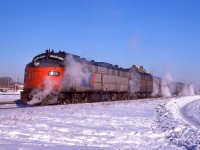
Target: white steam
166, 84
188, 90
155, 89
197, 88
39, 95
134, 82
75, 73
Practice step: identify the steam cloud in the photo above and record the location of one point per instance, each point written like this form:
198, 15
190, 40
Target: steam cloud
188, 90
134, 83
39, 95
75, 73
166, 83
155, 88
168, 87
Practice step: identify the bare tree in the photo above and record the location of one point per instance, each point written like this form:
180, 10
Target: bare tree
6, 82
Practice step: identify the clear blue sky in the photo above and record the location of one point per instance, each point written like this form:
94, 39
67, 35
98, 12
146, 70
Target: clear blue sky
161, 35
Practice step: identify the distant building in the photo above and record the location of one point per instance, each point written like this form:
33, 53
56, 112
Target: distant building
13, 87
17, 87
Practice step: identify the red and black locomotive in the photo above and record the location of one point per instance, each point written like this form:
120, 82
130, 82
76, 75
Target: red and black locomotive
77, 80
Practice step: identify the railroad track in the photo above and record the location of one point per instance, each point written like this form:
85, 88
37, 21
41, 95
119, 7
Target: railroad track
11, 104
7, 102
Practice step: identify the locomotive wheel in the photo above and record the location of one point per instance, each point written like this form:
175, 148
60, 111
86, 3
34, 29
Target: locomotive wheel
67, 99
114, 97
61, 98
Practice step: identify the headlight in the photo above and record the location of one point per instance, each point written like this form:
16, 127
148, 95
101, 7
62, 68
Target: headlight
53, 73
36, 63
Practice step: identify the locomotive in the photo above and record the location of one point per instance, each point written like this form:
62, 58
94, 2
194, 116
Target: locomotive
62, 78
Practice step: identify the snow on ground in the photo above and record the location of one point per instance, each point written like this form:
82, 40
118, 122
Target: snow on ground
173, 118
11, 95
10, 92
191, 112
125, 125
186, 108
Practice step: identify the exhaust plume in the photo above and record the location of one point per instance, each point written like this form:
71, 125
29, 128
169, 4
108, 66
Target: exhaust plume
75, 73
188, 90
40, 95
167, 86
155, 88
134, 82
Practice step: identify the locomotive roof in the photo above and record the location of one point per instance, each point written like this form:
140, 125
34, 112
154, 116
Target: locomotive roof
63, 54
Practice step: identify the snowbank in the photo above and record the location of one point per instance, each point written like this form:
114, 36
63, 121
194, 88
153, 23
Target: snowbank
175, 105
179, 132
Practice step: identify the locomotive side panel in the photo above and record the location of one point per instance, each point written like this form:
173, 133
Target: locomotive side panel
149, 80
150, 86
91, 83
96, 82
146, 83
143, 85
114, 83
105, 80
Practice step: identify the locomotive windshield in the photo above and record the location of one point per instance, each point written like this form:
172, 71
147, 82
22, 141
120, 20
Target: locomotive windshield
40, 57
51, 57
55, 57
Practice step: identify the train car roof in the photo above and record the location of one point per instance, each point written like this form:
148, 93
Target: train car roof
63, 55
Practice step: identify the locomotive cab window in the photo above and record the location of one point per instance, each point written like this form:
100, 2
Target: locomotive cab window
41, 57
54, 73
57, 58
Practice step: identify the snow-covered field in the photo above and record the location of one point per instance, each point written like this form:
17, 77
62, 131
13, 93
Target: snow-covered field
123, 125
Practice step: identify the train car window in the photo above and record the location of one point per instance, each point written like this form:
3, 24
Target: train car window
54, 73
